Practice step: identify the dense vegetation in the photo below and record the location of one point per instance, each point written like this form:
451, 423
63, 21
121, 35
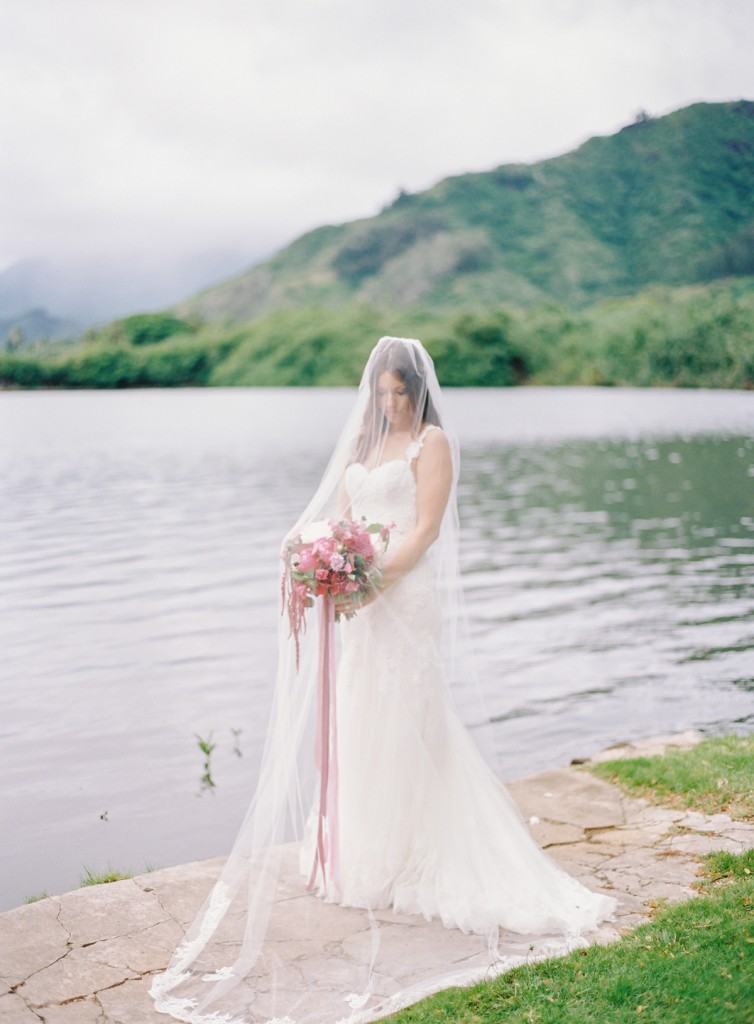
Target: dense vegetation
110, 361
667, 201
701, 336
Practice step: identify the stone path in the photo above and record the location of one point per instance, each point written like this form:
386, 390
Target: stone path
86, 957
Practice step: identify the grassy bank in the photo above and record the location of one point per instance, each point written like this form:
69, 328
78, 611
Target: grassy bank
689, 337
714, 776
693, 963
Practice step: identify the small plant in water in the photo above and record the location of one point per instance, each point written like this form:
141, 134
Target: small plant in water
206, 747
237, 742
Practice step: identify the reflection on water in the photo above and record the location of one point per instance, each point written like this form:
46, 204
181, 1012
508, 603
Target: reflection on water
608, 549
612, 590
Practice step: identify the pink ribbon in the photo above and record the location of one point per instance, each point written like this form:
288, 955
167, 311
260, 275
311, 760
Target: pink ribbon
326, 748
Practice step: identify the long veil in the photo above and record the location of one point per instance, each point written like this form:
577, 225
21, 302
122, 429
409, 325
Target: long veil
287, 935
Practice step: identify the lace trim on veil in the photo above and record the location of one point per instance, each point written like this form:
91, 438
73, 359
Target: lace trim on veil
424, 827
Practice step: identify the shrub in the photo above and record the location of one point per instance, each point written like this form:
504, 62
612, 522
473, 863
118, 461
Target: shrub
481, 351
144, 329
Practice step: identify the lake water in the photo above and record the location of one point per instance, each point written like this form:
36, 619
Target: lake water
608, 554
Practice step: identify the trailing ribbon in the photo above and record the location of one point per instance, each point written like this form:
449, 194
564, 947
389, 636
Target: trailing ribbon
326, 748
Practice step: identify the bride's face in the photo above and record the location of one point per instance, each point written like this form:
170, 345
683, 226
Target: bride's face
394, 401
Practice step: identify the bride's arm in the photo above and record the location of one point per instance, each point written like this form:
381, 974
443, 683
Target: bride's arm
434, 477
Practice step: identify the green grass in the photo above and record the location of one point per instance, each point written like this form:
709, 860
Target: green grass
693, 964
92, 877
715, 776
37, 897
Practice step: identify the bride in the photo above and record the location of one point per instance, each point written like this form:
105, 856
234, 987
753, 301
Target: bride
399, 813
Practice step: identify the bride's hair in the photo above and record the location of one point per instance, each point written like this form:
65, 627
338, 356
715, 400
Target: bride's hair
401, 359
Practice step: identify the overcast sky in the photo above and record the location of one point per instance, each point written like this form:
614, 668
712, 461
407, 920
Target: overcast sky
174, 127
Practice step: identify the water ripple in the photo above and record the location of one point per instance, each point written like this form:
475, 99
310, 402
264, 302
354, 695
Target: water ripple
608, 561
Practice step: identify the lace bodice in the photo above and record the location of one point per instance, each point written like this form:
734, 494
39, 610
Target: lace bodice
386, 493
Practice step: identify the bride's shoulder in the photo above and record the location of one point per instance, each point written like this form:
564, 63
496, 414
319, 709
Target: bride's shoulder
434, 442
433, 435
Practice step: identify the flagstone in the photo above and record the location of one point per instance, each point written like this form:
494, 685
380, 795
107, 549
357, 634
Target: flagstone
13, 1010
75, 976
31, 938
80, 1011
88, 957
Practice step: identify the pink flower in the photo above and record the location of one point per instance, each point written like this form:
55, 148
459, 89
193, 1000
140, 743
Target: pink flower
306, 560
331, 557
365, 548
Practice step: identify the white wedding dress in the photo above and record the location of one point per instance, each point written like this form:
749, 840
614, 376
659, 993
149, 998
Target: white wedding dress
425, 826
422, 833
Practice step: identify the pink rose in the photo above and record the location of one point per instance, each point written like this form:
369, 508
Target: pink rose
364, 546
306, 560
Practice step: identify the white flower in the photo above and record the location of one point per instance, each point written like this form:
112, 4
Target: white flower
316, 530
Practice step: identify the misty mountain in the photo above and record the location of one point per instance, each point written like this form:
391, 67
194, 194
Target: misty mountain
36, 325
665, 201
93, 290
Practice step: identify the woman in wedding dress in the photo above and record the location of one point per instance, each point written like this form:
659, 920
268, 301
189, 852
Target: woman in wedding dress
399, 813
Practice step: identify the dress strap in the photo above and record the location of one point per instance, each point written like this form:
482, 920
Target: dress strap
412, 452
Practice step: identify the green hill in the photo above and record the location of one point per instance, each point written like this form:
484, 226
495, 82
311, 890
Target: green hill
665, 201
628, 261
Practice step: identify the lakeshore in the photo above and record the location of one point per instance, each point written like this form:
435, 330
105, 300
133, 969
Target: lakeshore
87, 957
608, 588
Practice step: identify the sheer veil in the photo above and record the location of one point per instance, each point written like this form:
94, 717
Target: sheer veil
283, 937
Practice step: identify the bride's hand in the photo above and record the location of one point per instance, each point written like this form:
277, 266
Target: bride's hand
350, 604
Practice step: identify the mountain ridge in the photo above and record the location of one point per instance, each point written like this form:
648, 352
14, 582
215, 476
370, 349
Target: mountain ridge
666, 201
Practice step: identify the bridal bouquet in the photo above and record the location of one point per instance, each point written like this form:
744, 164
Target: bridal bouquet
335, 558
